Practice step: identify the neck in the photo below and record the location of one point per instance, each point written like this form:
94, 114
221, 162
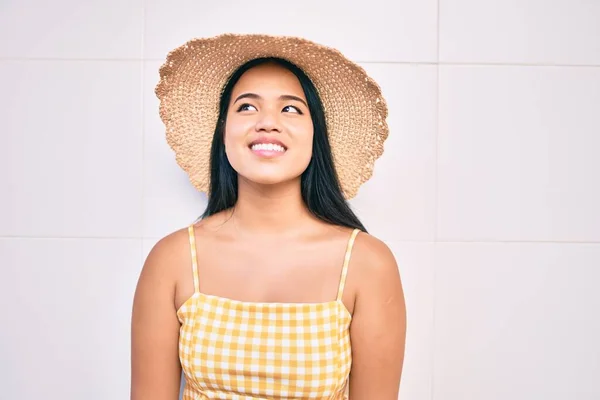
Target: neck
270, 209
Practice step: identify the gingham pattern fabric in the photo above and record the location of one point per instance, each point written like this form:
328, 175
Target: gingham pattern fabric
231, 349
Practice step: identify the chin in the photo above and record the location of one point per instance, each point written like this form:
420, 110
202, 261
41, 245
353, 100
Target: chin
268, 180
271, 180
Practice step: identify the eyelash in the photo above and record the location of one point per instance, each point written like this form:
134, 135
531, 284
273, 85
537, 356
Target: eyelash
296, 108
241, 107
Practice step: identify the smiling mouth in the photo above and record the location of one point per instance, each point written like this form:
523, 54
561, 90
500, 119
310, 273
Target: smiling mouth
267, 149
270, 147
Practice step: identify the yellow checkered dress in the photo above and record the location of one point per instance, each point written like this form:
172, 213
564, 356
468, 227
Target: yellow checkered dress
231, 349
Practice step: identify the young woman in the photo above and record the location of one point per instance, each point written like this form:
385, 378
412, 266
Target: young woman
277, 292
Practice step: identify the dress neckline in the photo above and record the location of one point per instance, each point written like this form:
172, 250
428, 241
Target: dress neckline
263, 305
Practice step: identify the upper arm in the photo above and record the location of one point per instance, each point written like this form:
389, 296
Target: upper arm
155, 368
378, 328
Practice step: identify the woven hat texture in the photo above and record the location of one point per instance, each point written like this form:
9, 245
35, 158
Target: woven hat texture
194, 75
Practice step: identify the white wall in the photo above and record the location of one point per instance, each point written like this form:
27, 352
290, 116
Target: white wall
488, 191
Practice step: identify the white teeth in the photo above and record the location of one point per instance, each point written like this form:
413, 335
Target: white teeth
267, 147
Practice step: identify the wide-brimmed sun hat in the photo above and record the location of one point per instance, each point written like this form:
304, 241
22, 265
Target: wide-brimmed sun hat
194, 75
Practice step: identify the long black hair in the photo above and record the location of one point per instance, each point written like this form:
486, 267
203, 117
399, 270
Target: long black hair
320, 187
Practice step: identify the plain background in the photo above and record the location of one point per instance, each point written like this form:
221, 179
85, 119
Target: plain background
488, 192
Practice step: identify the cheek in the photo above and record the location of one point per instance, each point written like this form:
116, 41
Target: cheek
308, 148
234, 135
305, 143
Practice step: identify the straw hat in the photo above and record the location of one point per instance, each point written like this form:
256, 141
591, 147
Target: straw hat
194, 75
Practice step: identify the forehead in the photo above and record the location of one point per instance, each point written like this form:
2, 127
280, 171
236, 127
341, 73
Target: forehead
269, 79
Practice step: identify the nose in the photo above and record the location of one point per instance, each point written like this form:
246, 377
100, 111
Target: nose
268, 121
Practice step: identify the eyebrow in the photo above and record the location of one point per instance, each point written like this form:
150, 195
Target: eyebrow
282, 97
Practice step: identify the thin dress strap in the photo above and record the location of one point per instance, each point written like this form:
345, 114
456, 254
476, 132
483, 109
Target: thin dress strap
346, 262
194, 257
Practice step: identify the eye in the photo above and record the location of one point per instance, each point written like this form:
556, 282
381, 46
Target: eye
246, 107
292, 109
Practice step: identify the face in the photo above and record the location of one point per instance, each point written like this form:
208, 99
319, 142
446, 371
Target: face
269, 131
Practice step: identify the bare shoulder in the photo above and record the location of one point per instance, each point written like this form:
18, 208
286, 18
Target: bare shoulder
168, 260
373, 258
171, 248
